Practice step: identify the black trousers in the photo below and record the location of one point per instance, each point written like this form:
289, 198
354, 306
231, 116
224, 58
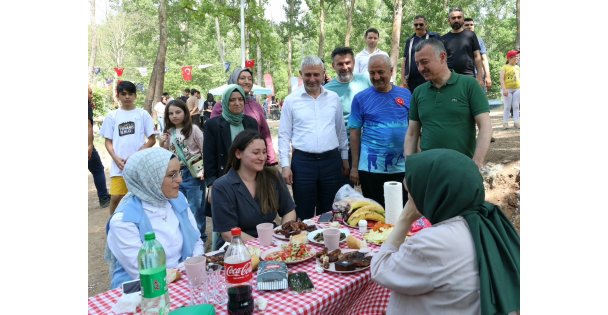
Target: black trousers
316, 179
372, 185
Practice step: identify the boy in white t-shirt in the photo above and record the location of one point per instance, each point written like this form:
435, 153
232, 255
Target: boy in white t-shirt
127, 130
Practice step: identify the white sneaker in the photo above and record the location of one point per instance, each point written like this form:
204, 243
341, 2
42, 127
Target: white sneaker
516, 125
505, 125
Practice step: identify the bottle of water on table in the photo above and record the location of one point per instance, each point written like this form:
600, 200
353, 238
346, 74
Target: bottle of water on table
151, 261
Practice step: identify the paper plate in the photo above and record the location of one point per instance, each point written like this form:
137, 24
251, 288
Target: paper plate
332, 267
273, 250
311, 236
281, 236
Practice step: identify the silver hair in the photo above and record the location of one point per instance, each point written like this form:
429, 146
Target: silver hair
312, 61
436, 44
385, 59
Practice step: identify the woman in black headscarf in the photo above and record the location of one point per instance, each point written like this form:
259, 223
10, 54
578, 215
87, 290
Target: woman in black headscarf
467, 262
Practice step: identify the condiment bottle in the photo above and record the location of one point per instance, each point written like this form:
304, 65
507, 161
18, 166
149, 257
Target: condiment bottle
363, 226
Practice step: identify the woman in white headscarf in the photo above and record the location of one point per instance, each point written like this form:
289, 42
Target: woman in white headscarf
153, 204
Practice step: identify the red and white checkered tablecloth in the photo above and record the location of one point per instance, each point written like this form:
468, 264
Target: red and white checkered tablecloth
334, 293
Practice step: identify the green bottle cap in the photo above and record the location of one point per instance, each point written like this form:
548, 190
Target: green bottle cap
149, 236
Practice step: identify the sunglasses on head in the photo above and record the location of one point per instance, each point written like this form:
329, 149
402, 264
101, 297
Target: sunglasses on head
418, 24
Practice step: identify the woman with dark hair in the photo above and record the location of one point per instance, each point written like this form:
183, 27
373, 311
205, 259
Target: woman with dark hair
185, 140
467, 262
244, 78
250, 193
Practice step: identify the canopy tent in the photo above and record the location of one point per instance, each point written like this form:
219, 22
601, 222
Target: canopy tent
257, 90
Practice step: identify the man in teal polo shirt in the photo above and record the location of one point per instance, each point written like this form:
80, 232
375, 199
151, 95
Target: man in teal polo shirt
447, 108
346, 84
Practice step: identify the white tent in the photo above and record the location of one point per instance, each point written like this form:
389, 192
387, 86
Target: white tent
257, 90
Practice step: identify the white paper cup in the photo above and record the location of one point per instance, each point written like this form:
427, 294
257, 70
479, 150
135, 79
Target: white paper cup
265, 231
331, 239
196, 270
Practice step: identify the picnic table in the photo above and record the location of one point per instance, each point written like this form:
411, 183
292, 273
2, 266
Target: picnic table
334, 293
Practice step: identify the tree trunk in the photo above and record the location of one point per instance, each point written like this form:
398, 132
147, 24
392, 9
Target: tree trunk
349, 25
397, 17
220, 42
93, 54
289, 87
517, 17
259, 54
258, 61
157, 79
321, 29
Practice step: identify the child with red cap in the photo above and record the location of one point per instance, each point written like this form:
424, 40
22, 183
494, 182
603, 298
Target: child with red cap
509, 82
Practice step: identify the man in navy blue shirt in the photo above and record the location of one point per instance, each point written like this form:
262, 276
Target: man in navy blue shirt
410, 77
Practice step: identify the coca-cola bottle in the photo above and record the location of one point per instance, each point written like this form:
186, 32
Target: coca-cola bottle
237, 262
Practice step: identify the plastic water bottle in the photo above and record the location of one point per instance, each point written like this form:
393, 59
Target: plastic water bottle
237, 262
151, 261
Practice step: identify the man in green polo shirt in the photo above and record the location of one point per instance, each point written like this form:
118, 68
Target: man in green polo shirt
447, 108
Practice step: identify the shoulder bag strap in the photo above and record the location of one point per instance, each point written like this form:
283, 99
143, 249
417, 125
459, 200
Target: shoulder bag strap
178, 148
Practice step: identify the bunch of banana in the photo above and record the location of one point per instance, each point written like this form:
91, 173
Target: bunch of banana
365, 210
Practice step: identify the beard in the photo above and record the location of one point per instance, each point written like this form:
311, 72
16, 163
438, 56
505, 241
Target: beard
345, 77
456, 26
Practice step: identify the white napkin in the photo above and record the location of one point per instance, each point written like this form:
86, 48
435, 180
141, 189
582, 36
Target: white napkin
127, 303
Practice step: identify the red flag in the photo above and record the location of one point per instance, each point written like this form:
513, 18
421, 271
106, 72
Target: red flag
187, 73
119, 71
249, 63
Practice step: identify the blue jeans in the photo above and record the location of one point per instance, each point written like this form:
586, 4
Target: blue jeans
194, 190
161, 124
316, 179
99, 176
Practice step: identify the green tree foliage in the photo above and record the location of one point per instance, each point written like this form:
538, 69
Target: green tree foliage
129, 38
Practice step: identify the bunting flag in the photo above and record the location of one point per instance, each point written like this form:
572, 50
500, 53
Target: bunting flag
109, 81
119, 71
187, 73
140, 87
249, 63
166, 69
97, 70
143, 71
226, 66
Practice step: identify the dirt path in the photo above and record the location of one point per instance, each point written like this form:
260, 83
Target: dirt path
502, 188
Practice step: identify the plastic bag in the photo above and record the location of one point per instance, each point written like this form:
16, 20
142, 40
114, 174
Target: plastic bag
347, 195
346, 199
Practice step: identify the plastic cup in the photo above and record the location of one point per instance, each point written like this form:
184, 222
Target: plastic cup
196, 269
265, 231
331, 239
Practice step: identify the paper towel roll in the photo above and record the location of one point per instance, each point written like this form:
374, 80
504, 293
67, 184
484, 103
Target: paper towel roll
393, 201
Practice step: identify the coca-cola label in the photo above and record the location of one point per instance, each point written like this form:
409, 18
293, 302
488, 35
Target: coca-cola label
237, 273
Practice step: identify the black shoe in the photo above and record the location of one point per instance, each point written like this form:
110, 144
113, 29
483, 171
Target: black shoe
492, 140
104, 203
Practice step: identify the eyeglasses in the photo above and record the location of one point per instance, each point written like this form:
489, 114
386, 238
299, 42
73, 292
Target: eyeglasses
416, 24
175, 175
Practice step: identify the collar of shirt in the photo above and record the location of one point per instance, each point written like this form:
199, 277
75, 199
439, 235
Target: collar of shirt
303, 93
452, 80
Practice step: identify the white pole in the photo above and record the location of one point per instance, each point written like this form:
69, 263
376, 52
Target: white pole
242, 33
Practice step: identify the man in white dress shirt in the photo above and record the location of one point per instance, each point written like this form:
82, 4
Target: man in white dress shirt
313, 126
